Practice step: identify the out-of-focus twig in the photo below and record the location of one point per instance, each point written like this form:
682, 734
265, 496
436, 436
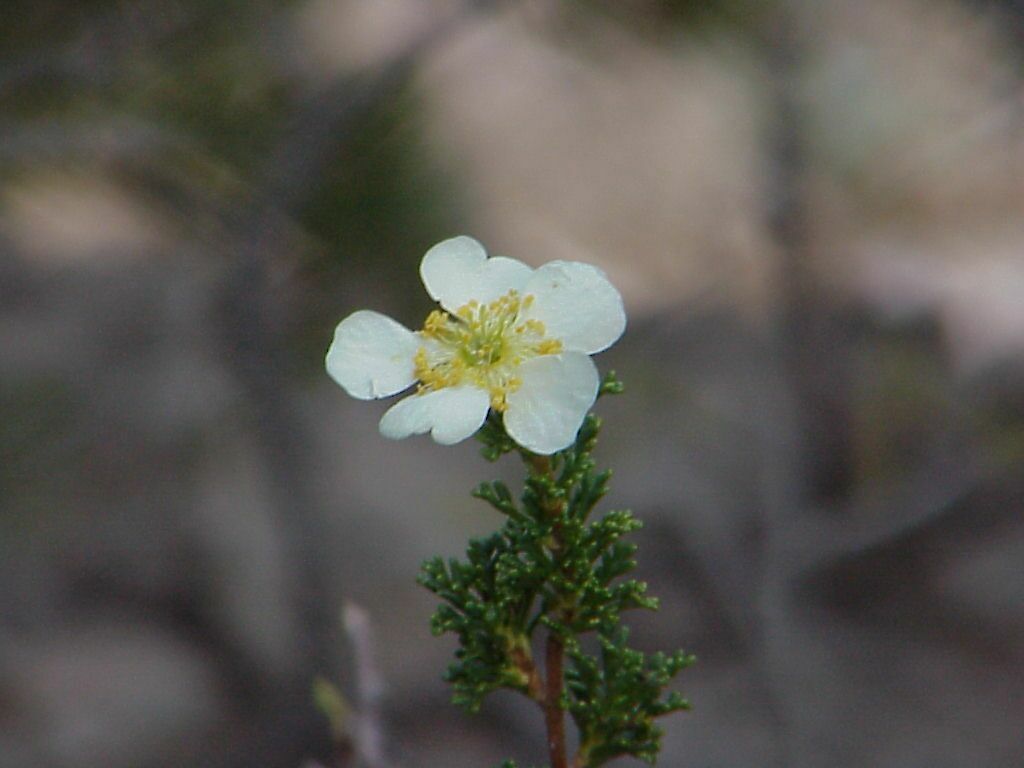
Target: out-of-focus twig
790, 469
368, 732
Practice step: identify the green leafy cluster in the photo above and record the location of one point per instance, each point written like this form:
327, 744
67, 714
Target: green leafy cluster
616, 697
552, 566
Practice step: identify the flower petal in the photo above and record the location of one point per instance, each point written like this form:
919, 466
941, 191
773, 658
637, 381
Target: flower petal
546, 411
450, 414
457, 270
577, 304
372, 355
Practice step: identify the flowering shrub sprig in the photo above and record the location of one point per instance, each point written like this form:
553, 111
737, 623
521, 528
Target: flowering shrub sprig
509, 339
512, 366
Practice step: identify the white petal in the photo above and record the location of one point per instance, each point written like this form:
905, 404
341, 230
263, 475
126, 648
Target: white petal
450, 414
546, 412
372, 355
577, 304
457, 270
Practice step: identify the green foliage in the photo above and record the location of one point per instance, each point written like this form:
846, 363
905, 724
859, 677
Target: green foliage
616, 696
556, 568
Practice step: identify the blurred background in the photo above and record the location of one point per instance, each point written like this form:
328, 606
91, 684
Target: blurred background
814, 212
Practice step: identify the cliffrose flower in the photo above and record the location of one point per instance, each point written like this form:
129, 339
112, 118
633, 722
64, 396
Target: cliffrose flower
508, 338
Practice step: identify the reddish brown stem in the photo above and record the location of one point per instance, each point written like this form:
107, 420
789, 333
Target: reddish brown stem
554, 719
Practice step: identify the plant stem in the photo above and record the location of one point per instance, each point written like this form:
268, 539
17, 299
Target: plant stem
554, 718
541, 466
534, 686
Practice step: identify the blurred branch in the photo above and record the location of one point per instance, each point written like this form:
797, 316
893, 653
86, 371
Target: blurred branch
791, 475
259, 234
806, 340
368, 732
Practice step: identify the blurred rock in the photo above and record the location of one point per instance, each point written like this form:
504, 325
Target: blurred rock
112, 694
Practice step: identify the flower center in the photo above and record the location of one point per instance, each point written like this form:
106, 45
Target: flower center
482, 345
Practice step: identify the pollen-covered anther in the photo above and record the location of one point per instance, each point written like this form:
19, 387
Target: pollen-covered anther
438, 375
500, 393
534, 326
481, 344
435, 323
549, 347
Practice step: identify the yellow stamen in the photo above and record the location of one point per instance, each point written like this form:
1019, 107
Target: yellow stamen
481, 345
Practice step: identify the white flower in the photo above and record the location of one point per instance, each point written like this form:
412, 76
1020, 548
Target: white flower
509, 338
